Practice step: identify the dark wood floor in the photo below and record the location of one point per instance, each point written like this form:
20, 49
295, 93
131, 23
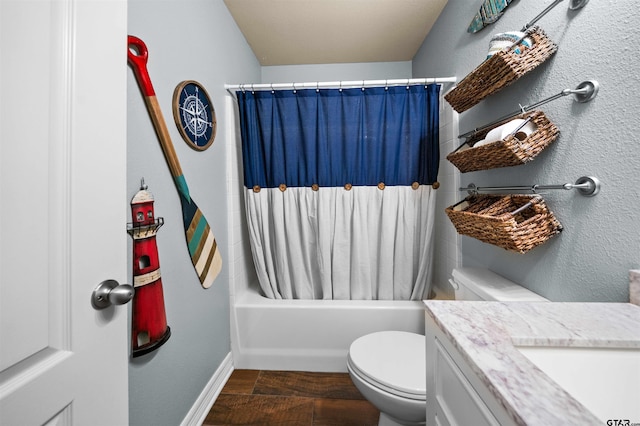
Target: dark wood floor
252, 397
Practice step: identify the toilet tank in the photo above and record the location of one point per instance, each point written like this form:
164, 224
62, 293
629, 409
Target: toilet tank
483, 284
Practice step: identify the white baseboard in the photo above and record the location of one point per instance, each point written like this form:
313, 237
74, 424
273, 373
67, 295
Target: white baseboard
200, 409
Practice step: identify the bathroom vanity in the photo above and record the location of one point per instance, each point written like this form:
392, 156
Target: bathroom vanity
532, 363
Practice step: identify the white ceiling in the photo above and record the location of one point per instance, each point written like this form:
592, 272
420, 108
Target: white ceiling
294, 32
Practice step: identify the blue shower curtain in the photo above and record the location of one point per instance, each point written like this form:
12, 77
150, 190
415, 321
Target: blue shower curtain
338, 190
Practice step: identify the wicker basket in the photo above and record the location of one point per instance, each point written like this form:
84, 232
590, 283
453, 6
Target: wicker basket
500, 70
507, 152
514, 222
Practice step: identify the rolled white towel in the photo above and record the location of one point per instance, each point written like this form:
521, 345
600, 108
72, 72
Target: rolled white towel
502, 40
501, 132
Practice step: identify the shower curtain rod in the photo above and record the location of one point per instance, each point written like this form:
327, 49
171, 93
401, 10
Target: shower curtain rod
338, 84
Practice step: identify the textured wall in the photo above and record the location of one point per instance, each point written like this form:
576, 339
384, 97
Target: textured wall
590, 260
187, 39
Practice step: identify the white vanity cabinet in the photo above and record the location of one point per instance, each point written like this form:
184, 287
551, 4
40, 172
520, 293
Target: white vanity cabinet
455, 394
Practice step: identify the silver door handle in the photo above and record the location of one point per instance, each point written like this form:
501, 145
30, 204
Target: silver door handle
110, 292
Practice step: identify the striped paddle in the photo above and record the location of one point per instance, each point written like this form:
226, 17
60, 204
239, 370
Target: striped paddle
200, 240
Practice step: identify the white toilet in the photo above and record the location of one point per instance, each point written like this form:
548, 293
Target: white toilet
388, 367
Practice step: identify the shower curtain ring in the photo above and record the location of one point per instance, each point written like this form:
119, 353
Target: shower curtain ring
272, 91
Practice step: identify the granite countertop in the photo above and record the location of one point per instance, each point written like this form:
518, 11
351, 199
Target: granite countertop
487, 333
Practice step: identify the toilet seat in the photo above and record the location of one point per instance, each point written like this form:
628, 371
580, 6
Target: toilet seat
394, 361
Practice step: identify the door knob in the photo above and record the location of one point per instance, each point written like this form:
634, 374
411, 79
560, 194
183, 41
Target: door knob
109, 292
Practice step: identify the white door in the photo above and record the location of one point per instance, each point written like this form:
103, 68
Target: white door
63, 211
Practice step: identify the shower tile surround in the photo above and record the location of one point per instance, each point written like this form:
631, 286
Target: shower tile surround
486, 335
447, 253
634, 286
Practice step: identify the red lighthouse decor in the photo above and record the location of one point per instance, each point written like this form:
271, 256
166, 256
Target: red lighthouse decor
149, 321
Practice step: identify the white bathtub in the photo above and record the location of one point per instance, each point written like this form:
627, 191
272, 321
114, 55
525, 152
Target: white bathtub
310, 335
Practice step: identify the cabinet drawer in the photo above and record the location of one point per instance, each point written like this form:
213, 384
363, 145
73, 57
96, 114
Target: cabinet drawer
457, 402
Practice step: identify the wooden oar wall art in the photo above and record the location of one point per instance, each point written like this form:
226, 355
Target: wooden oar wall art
490, 12
201, 242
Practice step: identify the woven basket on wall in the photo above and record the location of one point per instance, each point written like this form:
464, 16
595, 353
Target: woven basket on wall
500, 70
514, 222
507, 152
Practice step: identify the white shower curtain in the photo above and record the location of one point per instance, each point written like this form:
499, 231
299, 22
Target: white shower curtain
364, 243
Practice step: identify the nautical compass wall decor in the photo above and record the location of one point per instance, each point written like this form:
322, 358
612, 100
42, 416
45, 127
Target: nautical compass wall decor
194, 114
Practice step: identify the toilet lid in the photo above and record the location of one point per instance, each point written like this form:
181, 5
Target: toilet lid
392, 360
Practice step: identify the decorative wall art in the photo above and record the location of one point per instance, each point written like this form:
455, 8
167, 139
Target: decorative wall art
149, 328
490, 12
202, 245
194, 114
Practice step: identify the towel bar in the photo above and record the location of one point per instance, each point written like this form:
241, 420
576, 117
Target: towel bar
586, 185
584, 92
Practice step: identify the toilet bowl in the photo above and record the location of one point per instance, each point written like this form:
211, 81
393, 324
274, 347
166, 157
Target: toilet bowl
389, 367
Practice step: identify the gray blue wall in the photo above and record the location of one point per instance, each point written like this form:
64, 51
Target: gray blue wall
187, 39
590, 260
